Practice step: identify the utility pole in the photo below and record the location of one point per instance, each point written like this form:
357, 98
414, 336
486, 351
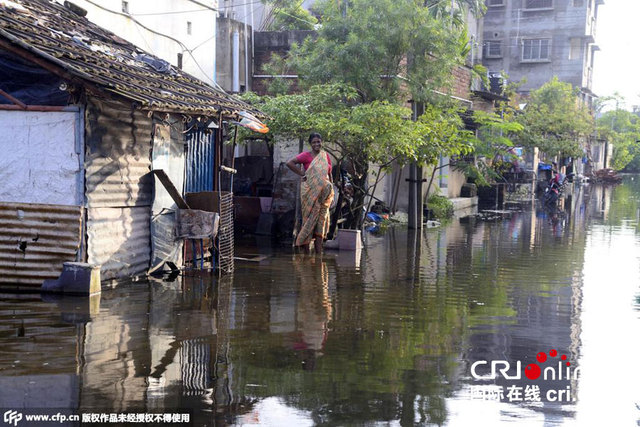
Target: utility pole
415, 187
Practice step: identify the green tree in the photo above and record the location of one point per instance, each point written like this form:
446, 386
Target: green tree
622, 129
382, 48
494, 137
555, 121
363, 134
286, 15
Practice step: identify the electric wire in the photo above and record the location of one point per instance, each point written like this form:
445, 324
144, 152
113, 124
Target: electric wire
177, 12
182, 45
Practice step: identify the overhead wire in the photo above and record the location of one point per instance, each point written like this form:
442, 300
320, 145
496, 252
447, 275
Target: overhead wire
182, 45
177, 12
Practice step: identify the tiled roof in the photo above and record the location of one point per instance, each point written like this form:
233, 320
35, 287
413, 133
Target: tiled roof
100, 58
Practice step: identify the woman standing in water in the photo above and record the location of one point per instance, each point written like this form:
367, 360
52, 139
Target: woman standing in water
316, 193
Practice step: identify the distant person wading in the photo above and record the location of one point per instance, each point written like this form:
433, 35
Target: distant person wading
316, 193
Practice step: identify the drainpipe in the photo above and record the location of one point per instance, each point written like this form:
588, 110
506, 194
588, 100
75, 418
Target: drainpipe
246, 50
215, 46
235, 59
252, 44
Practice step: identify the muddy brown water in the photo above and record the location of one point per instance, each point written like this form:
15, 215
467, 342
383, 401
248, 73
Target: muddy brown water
409, 332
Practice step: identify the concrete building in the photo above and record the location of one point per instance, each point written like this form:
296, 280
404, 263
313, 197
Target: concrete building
197, 36
182, 32
538, 39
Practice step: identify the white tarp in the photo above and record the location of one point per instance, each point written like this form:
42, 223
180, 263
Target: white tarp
39, 162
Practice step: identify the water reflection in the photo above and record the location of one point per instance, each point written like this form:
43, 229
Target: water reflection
388, 335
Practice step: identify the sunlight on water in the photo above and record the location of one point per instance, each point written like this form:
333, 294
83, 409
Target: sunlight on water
403, 333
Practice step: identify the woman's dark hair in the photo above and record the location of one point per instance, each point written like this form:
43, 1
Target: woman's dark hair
314, 135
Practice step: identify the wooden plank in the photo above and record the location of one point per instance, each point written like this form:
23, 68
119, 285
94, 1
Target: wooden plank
173, 192
257, 258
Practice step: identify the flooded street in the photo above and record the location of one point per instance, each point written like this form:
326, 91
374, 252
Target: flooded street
407, 334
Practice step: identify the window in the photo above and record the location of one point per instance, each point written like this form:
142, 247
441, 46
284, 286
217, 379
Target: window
575, 48
538, 4
536, 50
189, 27
494, 3
125, 6
577, 3
493, 49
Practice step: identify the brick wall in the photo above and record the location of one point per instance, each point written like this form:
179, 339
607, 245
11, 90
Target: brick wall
461, 83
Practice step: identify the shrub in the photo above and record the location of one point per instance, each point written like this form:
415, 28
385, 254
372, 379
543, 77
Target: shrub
440, 207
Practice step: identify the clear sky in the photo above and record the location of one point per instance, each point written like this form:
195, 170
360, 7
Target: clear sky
617, 64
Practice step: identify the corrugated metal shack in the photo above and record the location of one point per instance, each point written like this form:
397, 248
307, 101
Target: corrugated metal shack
85, 116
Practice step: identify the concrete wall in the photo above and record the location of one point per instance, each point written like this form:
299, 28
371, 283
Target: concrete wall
167, 33
268, 43
252, 13
568, 23
41, 158
224, 55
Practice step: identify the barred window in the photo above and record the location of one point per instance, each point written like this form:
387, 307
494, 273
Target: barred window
492, 3
536, 49
493, 49
538, 4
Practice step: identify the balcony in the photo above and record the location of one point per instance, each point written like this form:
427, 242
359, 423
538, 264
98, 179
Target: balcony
495, 91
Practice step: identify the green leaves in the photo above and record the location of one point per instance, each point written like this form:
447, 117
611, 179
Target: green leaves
622, 128
386, 49
374, 132
555, 121
285, 15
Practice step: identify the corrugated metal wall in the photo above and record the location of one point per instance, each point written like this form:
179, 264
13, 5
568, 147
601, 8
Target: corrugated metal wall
200, 156
195, 364
35, 240
168, 155
119, 188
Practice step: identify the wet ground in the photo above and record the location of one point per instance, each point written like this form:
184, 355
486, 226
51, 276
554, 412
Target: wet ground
405, 333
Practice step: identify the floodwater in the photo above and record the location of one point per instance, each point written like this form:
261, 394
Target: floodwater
406, 333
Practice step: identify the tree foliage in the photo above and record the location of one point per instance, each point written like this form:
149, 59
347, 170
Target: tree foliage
363, 134
494, 137
375, 132
382, 48
622, 129
555, 121
286, 15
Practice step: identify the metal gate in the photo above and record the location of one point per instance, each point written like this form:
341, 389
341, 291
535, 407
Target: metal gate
225, 234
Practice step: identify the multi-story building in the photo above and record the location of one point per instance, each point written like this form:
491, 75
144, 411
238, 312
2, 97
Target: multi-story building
536, 40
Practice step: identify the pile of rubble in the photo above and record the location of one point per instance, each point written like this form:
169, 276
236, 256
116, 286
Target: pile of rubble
606, 176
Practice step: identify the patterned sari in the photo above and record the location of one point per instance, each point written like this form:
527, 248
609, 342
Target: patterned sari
316, 195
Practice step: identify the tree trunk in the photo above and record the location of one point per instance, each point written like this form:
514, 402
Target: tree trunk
355, 218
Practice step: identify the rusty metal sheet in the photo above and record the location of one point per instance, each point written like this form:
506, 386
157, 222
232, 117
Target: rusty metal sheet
36, 239
60, 40
119, 188
118, 155
119, 240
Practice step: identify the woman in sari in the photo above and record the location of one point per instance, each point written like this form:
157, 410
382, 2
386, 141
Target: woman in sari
316, 193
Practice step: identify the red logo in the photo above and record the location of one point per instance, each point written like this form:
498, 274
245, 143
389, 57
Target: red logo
533, 371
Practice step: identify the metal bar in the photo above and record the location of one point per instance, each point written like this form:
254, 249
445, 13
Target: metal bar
228, 170
233, 147
201, 254
40, 108
13, 99
194, 253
